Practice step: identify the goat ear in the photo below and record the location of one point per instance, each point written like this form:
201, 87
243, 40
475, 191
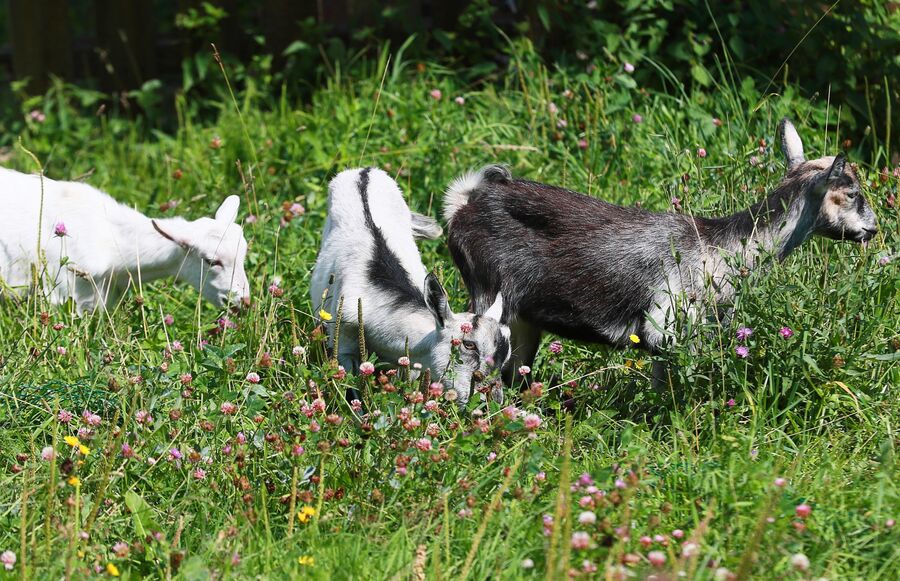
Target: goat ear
168, 236
791, 145
227, 212
436, 300
837, 168
425, 227
496, 310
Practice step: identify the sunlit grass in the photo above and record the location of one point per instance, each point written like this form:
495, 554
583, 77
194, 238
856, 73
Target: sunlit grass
176, 481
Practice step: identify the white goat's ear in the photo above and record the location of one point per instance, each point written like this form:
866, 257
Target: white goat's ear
791, 145
496, 310
227, 212
425, 227
168, 236
436, 300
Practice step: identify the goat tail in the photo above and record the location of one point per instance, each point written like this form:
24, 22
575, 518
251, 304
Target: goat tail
461, 188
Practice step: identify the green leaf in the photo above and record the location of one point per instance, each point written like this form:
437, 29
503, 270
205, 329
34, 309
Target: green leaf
700, 75
194, 569
141, 514
201, 62
544, 16
626, 81
812, 364
737, 46
231, 350
295, 47
884, 356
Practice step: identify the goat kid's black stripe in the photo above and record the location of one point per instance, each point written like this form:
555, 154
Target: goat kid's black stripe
363, 186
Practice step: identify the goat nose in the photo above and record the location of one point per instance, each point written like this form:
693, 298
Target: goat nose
245, 301
478, 376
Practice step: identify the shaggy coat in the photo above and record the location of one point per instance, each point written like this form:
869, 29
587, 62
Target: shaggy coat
369, 255
590, 270
88, 247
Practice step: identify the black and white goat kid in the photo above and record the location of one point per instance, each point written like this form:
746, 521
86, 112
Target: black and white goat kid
590, 270
369, 251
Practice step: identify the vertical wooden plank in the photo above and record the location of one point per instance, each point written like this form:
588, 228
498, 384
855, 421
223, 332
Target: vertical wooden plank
444, 15
281, 23
41, 41
336, 14
125, 37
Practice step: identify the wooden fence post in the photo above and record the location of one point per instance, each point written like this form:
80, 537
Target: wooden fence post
126, 43
41, 41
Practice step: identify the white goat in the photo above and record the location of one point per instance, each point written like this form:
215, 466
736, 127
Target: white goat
86, 246
369, 252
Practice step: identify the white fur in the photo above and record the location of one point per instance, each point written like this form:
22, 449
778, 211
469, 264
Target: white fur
458, 191
346, 252
791, 144
108, 246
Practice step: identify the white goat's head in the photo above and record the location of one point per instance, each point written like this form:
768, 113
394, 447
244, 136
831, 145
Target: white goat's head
483, 343
215, 252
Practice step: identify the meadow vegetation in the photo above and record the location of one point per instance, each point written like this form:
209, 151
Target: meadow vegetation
166, 438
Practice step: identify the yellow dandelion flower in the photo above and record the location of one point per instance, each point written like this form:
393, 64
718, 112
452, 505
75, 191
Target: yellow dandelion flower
112, 569
75, 481
324, 315
305, 514
72, 441
634, 338
84, 449
306, 560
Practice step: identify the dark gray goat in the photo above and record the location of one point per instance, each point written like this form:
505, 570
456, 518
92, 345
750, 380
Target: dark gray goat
590, 270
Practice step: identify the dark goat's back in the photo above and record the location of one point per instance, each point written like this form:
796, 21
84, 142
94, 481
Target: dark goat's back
564, 261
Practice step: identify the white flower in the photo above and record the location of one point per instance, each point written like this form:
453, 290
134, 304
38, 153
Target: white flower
8, 558
722, 574
689, 549
800, 562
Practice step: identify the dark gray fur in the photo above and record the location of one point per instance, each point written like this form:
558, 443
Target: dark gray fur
591, 270
385, 270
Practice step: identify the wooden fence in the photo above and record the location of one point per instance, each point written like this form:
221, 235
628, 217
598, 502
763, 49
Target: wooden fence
122, 43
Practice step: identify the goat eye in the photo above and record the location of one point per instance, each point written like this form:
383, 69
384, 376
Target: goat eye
212, 262
470, 345
852, 194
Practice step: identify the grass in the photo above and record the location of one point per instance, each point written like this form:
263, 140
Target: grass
689, 471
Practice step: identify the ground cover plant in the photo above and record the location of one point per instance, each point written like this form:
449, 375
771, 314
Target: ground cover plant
170, 439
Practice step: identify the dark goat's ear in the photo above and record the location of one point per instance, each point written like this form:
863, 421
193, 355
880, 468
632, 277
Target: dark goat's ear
837, 168
791, 145
436, 300
167, 236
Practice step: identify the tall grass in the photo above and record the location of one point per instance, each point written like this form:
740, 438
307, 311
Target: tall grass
818, 409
